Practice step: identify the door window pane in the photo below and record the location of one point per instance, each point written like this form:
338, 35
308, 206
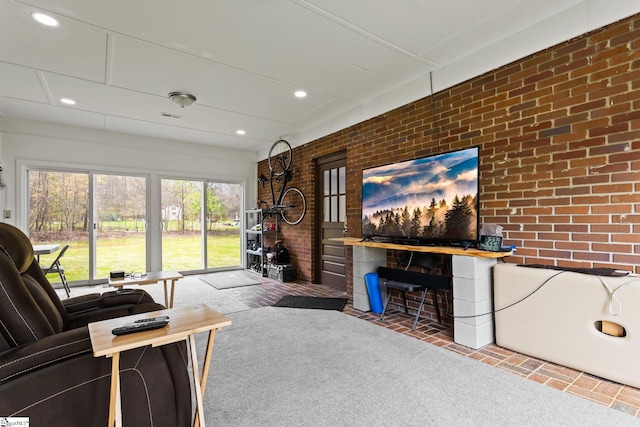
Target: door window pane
223, 225
334, 181
182, 247
194, 220
58, 214
334, 194
334, 208
121, 238
326, 186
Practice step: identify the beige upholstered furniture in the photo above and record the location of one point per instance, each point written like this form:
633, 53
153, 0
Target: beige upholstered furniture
583, 321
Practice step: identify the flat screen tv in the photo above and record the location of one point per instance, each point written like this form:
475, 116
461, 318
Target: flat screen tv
430, 200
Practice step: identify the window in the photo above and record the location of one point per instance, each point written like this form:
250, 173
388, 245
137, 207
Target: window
104, 217
200, 229
101, 217
334, 194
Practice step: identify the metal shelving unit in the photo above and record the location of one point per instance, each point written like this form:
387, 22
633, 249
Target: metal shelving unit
260, 226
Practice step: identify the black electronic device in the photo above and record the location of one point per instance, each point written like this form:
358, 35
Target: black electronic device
432, 199
116, 274
490, 243
130, 328
152, 319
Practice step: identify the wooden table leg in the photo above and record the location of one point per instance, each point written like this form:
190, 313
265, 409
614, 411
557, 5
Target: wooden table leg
115, 411
166, 297
207, 360
196, 383
205, 368
173, 285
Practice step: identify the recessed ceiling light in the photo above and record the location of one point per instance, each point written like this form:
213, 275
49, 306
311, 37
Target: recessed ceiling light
45, 19
68, 101
300, 94
240, 132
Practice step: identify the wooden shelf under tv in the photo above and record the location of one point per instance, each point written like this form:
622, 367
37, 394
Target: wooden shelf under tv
450, 250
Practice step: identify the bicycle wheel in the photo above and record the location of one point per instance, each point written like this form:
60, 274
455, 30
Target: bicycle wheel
280, 157
294, 206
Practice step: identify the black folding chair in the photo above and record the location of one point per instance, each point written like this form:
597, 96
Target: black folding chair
57, 268
404, 280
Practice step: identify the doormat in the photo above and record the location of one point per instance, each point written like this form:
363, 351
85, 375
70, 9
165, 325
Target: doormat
312, 302
231, 279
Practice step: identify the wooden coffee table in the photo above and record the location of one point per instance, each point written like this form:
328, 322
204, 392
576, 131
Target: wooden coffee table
184, 323
151, 278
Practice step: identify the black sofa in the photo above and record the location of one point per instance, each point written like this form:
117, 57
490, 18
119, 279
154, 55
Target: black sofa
47, 369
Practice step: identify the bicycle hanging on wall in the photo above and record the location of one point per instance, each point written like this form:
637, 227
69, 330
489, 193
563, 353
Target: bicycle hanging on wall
290, 204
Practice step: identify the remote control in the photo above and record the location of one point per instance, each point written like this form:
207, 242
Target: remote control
130, 328
152, 319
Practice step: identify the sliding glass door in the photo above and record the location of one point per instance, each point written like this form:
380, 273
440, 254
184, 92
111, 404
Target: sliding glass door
101, 217
181, 225
59, 214
104, 219
223, 225
200, 225
120, 226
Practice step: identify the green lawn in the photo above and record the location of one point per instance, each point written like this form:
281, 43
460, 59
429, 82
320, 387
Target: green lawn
180, 252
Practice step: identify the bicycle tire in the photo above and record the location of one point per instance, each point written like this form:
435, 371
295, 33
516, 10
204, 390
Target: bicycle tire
280, 157
293, 206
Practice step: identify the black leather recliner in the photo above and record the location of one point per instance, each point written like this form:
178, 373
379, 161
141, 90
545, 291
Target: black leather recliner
47, 369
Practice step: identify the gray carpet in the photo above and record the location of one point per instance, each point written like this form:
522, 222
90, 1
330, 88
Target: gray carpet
188, 291
289, 367
230, 279
191, 290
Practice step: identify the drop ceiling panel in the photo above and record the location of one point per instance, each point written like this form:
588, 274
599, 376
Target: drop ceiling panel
498, 27
49, 113
321, 114
119, 102
365, 72
243, 58
135, 66
412, 25
268, 130
275, 38
72, 49
602, 12
21, 82
527, 41
167, 131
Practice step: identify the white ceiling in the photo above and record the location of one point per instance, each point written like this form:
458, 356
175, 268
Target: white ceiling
243, 59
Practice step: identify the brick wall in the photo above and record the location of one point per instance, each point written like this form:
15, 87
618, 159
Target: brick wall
559, 133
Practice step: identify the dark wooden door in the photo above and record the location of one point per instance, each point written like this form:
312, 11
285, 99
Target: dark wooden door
331, 211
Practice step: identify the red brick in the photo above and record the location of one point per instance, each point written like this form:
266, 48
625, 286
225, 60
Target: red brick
572, 246
559, 133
